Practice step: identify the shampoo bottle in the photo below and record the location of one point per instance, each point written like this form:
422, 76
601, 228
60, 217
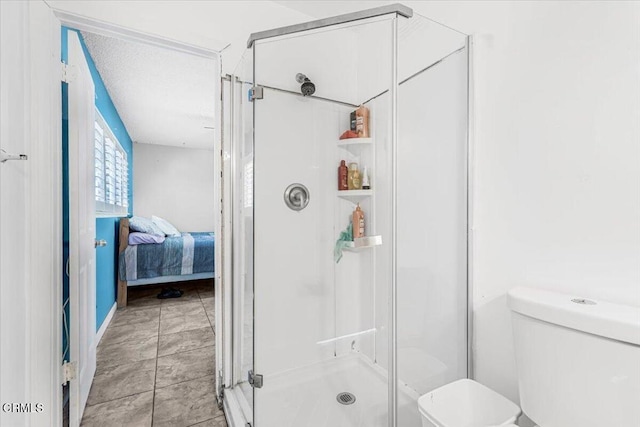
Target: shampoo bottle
342, 176
362, 122
358, 222
354, 181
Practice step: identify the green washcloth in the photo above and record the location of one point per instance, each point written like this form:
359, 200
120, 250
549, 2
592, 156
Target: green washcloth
346, 236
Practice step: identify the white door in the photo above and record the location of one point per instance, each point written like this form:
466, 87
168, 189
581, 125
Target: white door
82, 217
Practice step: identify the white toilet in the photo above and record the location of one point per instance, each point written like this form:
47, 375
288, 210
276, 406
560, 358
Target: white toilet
578, 365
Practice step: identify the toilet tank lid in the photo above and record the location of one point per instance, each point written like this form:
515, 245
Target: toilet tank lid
615, 321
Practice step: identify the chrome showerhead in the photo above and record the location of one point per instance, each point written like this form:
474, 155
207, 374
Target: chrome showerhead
307, 88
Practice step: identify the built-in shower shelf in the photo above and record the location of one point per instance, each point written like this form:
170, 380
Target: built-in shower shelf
361, 243
354, 141
354, 195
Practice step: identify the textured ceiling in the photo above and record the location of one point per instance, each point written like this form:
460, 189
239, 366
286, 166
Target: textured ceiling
163, 97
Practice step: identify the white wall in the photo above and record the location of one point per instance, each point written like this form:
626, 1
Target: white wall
557, 183
176, 184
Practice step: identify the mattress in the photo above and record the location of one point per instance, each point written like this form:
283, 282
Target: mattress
189, 253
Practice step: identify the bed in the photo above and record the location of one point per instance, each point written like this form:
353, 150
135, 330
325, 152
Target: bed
189, 256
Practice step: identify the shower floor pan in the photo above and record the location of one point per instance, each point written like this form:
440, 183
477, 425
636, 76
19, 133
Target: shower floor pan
309, 397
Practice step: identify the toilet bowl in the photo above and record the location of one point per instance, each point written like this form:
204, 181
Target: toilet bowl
466, 403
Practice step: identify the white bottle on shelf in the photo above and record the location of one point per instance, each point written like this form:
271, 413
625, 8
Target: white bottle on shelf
365, 179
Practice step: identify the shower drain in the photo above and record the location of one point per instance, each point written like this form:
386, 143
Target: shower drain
346, 398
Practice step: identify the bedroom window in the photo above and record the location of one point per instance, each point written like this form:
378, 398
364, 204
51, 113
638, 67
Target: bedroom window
111, 172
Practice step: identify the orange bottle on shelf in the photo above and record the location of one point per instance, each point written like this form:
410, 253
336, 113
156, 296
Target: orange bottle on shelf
358, 222
362, 122
343, 172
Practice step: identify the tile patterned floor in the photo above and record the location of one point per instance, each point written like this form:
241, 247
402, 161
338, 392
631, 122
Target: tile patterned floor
155, 362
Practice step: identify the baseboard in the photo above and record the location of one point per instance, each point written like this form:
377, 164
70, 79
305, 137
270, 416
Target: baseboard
106, 322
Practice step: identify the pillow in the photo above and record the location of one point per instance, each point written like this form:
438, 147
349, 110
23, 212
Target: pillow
144, 225
165, 226
137, 238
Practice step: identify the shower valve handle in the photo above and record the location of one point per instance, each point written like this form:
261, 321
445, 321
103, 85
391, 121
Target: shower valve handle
296, 197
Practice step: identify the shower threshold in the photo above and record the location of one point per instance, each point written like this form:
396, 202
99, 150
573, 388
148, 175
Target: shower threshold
307, 396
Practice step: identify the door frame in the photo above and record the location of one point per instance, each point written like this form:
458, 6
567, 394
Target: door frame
47, 197
38, 358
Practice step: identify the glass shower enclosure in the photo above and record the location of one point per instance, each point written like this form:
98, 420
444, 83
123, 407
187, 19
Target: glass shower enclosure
322, 329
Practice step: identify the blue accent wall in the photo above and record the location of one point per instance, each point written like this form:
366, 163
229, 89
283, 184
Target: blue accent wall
106, 228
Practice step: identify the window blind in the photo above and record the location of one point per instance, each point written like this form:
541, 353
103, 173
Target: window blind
111, 172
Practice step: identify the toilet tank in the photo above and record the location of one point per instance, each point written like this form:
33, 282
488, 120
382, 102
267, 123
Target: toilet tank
578, 360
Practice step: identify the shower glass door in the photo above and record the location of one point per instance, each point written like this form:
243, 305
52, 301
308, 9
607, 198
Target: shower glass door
327, 330
321, 316
432, 206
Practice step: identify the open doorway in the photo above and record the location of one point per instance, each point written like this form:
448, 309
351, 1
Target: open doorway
141, 176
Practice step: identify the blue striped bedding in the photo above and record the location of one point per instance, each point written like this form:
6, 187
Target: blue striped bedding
190, 253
